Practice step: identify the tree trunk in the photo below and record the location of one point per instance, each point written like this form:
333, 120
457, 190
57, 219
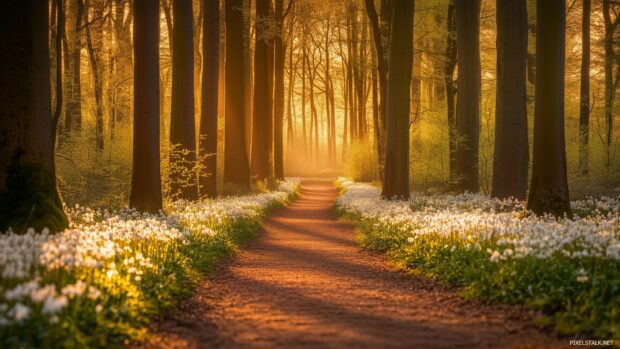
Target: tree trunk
610, 85
124, 60
60, 33
584, 101
510, 163
449, 66
262, 118
304, 58
549, 186
396, 177
146, 177
28, 193
248, 88
209, 99
94, 44
73, 110
278, 103
182, 119
236, 168
380, 38
468, 103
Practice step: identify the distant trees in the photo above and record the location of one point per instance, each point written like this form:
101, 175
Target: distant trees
380, 34
584, 97
146, 178
510, 163
209, 100
236, 168
396, 172
549, 185
262, 124
182, 127
468, 102
28, 194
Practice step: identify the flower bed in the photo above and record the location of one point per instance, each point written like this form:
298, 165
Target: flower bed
568, 268
99, 282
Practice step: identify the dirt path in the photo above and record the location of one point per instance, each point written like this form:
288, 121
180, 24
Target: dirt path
305, 283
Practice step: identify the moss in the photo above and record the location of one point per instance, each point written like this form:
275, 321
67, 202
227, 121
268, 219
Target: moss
30, 199
553, 201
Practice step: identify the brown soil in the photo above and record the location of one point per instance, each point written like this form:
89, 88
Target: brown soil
305, 283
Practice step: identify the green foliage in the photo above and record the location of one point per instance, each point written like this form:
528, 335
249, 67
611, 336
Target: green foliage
576, 295
148, 278
361, 162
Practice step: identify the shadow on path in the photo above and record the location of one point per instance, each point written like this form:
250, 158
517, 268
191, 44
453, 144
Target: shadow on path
305, 283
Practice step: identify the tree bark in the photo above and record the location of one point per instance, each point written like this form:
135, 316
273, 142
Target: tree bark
584, 100
94, 44
510, 162
262, 118
209, 99
248, 88
182, 119
28, 193
146, 176
236, 167
278, 102
73, 110
123, 59
396, 177
381, 39
468, 103
450, 86
610, 84
549, 185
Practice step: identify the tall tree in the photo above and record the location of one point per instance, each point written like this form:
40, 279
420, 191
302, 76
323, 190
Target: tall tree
611, 82
146, 177
73, 86
450, 86
380, 38
182, 127
584, 100
510, 162
248, 88
236, 168
94, 44
396, 176
123, 60
549, 185
278, 102
468, 102
28, 193
262, 117
209, 99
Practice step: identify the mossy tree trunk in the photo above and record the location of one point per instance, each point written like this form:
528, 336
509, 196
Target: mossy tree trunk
28, 193
549, 185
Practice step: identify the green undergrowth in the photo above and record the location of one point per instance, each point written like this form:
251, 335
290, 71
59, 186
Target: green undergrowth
584, 307
135, 288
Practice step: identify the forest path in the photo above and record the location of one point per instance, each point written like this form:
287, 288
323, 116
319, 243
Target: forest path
305, 283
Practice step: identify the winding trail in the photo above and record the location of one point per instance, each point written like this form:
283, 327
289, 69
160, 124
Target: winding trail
305, 283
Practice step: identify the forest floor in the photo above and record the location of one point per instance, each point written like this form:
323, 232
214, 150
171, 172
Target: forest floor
306, 283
